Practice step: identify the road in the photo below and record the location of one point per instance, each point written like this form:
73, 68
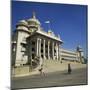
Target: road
77, 77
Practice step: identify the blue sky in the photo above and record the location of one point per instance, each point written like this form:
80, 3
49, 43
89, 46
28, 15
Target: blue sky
70, 21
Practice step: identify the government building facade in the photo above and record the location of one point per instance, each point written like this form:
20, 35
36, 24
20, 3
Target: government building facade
30, 41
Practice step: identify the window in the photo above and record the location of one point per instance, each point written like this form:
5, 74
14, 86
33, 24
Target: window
33, 56
42, 50
33, 43
33, 49
41, 45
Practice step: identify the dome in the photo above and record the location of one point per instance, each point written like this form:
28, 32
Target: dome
79, 48
33, 20
49, 31
23, 22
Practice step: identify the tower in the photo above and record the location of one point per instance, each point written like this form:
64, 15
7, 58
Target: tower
80, 54
21, 44
24, 29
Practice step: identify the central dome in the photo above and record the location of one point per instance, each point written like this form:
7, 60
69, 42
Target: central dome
33, 20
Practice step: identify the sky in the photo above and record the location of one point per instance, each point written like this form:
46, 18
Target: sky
69, 21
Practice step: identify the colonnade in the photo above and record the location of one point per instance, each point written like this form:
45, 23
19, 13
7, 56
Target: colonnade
53, 49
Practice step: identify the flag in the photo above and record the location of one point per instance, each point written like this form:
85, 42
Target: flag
47, 21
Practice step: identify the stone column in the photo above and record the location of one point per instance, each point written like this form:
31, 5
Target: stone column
44, 49
30, 53
48, 49
30, 50
53, 50
57, 51
40, 48
37, 44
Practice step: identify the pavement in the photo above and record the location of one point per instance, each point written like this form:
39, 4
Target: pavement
52, 79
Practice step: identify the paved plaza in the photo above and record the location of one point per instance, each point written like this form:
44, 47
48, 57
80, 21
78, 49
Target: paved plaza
59, 78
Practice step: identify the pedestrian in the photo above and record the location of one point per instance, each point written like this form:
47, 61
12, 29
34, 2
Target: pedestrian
41, 70
69, 69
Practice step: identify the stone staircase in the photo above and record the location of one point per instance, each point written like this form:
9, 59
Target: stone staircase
48, 66
54, 65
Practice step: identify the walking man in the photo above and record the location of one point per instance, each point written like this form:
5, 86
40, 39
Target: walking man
69, 69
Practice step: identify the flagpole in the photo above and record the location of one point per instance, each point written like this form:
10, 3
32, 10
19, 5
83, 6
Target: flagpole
49, 26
